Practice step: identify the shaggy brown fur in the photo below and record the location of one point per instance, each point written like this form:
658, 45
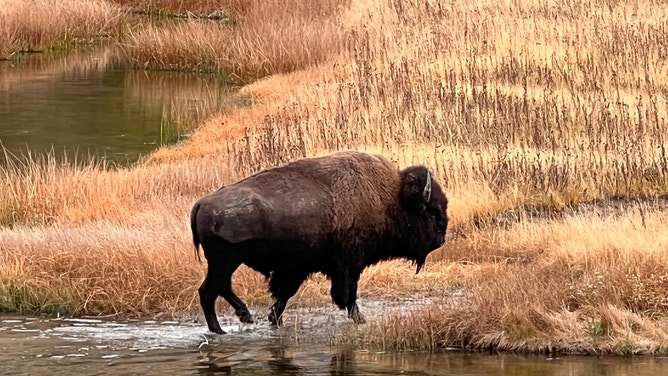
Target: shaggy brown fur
334, 214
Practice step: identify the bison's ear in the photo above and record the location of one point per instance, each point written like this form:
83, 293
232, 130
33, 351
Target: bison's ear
415, 188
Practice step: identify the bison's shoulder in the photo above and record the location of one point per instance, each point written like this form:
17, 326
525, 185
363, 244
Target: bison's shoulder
365, 191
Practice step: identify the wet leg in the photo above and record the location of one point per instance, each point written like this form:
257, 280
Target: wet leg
218, 282
283, 286
351, 306
276, 313
340, 289
207, 298
228, 294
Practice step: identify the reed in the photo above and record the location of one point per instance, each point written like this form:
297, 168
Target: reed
28, 26
601, 289
268, 38
173, 7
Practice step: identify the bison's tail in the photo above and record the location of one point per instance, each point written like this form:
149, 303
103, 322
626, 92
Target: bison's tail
193, 228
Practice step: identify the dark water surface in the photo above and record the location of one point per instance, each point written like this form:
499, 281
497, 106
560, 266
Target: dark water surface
40, 346
86, 104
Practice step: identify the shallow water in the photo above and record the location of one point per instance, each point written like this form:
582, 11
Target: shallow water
89, 346
86, 104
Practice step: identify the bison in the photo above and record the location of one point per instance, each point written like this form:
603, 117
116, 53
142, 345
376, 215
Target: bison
334, 214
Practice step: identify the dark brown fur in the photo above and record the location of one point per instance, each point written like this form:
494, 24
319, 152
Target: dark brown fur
335, 214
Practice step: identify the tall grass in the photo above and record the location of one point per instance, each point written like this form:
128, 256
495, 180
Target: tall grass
27, 26
60, 190
230, 7
524, 110
46, 273
600, 289
268, 38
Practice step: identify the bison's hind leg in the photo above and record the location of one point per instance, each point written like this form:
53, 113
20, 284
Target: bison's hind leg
283, 285
218, 282
207, 299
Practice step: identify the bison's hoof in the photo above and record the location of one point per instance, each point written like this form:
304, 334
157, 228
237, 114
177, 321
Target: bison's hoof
214, 326
356, 316
217, 330
246, 318
359, 319
275, 321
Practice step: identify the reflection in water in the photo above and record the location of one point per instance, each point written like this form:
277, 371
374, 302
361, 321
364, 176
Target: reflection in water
342, 363
86, 104
94, 346
274, 358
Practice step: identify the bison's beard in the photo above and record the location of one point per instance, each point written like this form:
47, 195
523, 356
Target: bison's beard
419, 264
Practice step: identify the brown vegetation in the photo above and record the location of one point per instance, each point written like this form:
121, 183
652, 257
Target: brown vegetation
28, 26
523, 109
267, 37
589, 283
229, 7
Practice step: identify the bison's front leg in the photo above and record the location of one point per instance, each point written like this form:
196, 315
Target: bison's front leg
353, 309
340, 290
276, 313
355, 315
344, 294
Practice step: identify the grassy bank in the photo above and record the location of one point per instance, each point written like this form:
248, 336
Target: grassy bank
267, 37
33, 26
248, 40
592, 283
169, 8
524, 110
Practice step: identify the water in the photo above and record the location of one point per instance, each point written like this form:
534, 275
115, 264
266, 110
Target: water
91, 346
85, 104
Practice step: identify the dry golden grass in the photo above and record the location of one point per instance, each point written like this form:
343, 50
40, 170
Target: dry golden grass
599, 289
122, 272
36, 25
230, 7
268, 37
524, 110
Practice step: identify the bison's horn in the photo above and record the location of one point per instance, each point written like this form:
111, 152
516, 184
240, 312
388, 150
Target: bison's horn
426, 194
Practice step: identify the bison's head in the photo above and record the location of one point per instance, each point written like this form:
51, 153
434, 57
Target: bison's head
426, 205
